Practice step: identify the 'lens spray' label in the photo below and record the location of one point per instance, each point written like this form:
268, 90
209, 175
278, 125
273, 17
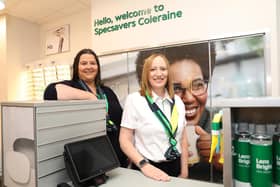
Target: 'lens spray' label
242, 161
261, 165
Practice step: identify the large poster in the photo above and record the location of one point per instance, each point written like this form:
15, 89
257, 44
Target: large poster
191, 73
225, 68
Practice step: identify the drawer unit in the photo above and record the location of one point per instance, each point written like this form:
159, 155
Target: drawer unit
34, 134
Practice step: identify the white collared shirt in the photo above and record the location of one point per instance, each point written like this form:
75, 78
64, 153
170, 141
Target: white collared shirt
163, 103
150, 138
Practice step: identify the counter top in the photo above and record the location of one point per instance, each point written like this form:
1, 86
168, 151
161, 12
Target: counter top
131, 178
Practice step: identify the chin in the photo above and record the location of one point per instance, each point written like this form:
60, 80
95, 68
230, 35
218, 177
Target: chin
192, 121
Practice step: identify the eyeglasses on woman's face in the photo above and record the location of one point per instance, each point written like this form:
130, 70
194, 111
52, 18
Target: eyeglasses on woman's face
197, 87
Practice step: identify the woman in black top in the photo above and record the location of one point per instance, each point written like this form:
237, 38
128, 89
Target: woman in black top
86, 85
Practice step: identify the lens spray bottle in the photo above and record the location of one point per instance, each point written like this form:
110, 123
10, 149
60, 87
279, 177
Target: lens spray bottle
261, 157
241, 159
276, 157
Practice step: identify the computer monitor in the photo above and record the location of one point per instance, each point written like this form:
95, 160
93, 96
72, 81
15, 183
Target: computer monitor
90, 158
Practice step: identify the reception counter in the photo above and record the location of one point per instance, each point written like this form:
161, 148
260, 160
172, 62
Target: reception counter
132, 178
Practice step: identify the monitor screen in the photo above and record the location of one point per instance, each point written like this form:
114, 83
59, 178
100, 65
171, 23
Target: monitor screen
91, 157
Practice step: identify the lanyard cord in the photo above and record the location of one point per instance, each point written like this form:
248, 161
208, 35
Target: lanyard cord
100, 95
171, 132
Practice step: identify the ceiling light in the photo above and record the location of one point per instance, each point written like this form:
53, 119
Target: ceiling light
2, 4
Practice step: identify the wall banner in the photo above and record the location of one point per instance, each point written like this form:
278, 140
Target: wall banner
130, 19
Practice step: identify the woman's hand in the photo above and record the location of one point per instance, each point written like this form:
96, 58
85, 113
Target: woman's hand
183, 175
154, 173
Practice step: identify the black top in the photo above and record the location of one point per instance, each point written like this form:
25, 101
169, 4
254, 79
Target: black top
114, 111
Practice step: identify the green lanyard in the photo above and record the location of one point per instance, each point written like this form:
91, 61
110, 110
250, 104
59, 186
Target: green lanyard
100, 95
170, 131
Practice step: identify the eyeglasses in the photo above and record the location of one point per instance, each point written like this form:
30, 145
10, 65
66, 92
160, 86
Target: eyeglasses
197, 87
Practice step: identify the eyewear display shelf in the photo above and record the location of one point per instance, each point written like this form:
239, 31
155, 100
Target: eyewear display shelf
250, 110
34, 134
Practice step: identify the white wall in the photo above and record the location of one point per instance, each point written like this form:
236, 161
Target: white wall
22, 47
3, 72
201, 20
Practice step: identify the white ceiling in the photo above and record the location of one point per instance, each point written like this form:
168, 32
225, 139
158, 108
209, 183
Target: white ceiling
42, 11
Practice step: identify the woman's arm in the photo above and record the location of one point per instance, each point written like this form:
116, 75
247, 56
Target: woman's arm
184, 155
126, 143
65, 92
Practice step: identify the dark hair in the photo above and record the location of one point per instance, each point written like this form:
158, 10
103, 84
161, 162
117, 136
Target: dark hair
75, 75
198, 52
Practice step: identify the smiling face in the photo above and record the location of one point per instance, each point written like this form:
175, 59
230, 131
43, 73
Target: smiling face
158, 74
183, 73
87, 68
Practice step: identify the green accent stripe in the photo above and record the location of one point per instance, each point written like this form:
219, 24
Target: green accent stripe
216, 126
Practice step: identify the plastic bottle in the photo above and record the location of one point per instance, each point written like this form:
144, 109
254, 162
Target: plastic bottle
241, 158
261, 157
276, 157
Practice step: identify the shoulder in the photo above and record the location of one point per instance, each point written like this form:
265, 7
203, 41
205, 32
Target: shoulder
50, 91
108, 92
134, 102
106, 89
67, 82
52, 85
134, 97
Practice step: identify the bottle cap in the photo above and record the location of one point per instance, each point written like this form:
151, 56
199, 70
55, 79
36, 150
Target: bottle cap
260, 129
243, 127
252, 128
277, 128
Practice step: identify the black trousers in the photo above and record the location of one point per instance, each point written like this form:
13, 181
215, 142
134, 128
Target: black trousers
172, 168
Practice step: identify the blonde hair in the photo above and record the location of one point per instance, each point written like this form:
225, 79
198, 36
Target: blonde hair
145, 85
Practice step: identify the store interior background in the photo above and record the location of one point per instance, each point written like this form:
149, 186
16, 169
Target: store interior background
23, 30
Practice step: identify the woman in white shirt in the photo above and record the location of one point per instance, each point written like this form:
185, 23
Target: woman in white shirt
153, 124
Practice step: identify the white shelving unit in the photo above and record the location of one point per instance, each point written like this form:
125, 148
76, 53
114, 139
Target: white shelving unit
250, 110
